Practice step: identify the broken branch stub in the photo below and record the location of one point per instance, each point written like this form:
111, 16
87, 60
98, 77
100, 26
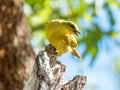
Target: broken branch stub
49, 75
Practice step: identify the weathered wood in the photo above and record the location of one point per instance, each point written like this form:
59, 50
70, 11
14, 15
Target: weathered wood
77, 83
51, 77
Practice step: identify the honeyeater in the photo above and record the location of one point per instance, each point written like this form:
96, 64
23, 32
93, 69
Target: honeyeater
61, 35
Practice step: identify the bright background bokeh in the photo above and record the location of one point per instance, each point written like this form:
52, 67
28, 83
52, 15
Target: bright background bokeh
99, 42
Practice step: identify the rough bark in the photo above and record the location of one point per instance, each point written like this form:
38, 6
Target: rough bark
16, 53
51, 77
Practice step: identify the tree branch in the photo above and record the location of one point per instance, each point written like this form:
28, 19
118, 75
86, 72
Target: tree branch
49, 74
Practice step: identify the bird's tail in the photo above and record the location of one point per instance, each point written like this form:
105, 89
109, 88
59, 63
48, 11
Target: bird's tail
75, 53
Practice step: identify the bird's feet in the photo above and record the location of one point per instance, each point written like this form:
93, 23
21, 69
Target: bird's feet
51, 51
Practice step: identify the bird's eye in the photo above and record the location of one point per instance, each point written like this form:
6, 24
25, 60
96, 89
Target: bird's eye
72, 26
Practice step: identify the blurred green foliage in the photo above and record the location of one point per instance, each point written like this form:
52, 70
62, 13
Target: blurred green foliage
86, 13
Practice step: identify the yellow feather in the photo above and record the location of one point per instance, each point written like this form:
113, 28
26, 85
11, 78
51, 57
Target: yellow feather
61, 36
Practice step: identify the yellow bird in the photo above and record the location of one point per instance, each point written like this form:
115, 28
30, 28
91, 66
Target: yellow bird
61, 35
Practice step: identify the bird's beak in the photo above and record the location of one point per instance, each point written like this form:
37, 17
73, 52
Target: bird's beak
77, 32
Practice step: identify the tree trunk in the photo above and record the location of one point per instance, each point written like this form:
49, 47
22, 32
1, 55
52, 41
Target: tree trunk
49, 75
16, 53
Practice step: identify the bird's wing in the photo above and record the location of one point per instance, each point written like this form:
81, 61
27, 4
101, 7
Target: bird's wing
70, 40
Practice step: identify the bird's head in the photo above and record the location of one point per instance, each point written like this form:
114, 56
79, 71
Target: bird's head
71, 26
